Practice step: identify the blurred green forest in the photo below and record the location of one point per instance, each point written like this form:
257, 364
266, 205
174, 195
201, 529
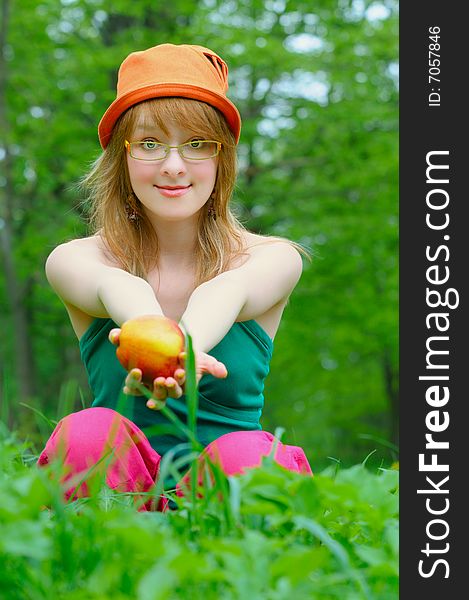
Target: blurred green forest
317, 87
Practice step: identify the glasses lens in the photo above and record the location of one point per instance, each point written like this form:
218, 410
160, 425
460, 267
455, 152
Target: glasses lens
199, 149
148, 150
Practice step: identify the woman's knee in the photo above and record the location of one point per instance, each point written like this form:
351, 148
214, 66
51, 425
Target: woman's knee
81, 435
239, 450
100, 440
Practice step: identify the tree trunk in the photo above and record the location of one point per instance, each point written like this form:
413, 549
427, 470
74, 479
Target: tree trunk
15, 291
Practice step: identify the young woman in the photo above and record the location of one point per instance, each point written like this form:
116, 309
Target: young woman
164, 242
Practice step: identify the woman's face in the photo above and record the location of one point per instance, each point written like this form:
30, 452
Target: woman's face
173, 188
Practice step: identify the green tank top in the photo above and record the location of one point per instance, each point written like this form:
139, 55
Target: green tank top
225, 405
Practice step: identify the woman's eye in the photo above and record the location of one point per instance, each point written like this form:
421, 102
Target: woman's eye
196, 143
149, 144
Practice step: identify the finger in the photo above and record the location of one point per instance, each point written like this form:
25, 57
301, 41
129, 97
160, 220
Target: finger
214, 367
159, 388
114, 335
173, 389
176, 392
134, 376
182, 358
180, 376
217, 369
155, 404
131, 391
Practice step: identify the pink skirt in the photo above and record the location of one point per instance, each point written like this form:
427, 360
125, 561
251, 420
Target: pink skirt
100, 440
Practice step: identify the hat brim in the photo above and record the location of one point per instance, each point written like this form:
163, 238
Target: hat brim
121, 104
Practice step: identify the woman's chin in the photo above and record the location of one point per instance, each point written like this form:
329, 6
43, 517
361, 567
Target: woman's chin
174, 214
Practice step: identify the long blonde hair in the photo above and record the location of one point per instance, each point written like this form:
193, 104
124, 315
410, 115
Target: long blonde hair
134, 244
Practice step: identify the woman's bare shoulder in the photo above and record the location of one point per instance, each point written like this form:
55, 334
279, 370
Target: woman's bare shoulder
75, 270
91, 246
253, 241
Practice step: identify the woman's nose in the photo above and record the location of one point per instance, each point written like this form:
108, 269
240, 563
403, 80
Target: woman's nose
173, 164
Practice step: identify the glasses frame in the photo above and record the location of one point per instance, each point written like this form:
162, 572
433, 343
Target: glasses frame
128, 146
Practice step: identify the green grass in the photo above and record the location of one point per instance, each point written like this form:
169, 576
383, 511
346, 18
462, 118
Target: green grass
268, 534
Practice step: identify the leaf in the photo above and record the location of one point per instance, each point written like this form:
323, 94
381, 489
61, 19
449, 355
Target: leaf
25, 538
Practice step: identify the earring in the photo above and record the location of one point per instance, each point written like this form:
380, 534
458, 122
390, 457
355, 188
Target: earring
211, 209
130, 209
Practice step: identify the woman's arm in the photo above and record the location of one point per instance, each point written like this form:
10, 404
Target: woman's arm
78, 275
267, 277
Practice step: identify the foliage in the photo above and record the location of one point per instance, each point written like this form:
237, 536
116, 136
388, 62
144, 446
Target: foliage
272, 535
268, 533
316, 87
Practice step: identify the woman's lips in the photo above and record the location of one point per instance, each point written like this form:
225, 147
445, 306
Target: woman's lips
173, 192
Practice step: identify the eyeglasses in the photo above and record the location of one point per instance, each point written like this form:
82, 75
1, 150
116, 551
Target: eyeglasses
194, 150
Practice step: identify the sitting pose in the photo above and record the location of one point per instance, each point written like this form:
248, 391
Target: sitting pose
164, 242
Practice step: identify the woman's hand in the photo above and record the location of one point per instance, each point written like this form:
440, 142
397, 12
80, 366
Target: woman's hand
170, 387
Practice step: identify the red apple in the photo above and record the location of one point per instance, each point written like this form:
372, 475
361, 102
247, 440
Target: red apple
151, 343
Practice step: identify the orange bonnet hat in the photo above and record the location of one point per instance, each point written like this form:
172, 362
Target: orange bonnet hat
171, 70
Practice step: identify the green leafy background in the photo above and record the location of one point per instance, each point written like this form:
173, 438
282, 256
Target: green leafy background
316, 85
269, 534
